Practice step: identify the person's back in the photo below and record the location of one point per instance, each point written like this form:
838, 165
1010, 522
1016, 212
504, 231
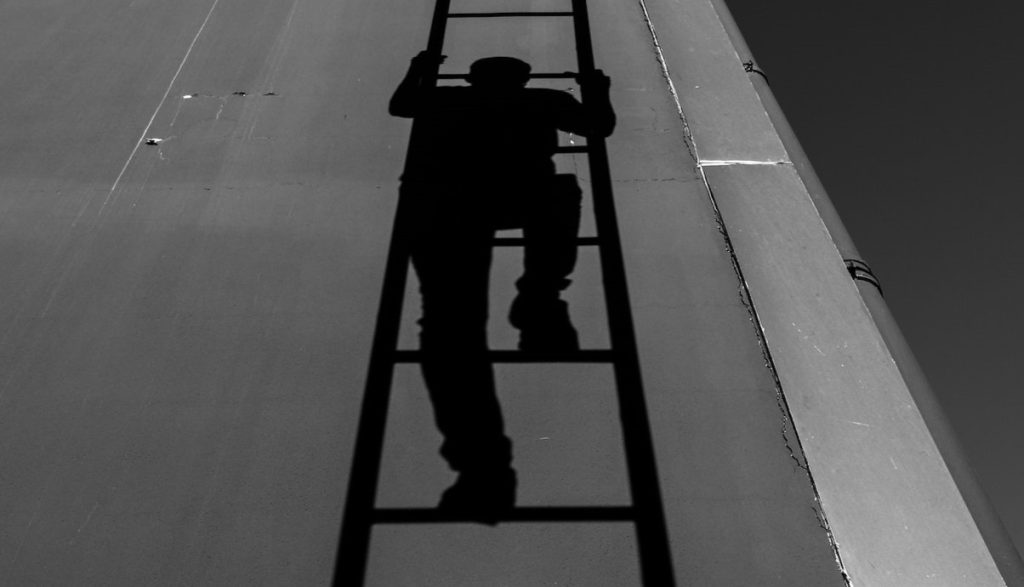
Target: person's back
472, 134
496, 129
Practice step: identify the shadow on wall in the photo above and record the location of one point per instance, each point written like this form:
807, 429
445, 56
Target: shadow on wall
480, 161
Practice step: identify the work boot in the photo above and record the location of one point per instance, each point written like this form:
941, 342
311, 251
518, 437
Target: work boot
543, 324
482, 496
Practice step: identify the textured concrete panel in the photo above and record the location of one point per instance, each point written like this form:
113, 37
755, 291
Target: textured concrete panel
895, 512
725, 117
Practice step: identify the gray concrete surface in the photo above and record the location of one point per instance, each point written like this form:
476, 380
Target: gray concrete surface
184, 327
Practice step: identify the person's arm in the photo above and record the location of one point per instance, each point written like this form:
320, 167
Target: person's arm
595, 118
597, 104
409, 94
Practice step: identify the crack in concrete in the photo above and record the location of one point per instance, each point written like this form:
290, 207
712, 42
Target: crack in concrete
691, 145
788, 430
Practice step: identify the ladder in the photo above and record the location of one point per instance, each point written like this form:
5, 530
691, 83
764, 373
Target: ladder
646, 511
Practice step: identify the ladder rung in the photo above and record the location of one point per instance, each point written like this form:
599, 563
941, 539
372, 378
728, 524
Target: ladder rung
571, 149
516, 356
523, 514
504, 14
563, 75
516, 241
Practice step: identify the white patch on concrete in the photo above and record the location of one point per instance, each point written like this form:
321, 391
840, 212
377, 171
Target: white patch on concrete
724, 162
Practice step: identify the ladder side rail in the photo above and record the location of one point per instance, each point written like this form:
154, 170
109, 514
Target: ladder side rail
357, 518
652, 533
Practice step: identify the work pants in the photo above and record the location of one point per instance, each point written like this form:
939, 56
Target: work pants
451, 252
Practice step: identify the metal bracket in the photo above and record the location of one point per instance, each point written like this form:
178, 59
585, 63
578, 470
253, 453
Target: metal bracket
859, 270
750, 67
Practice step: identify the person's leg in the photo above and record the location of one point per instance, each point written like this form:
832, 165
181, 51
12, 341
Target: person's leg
550, 227
452, 258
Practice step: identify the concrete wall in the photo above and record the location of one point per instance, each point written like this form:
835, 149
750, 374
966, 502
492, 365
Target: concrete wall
186, 325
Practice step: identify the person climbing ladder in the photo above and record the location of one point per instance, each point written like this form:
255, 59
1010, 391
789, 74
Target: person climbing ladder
462, 194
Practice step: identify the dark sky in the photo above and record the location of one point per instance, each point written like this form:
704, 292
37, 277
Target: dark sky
911, 113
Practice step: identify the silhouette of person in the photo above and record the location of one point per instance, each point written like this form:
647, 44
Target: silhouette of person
480, 161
